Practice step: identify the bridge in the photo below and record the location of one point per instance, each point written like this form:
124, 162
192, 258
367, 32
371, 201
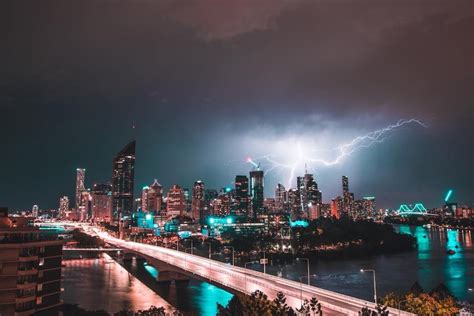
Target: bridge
238, 279
418, 209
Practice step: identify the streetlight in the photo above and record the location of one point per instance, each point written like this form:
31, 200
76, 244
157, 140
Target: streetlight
307, 265
301, 284
245, 266
233, 258
209, 248
192, 246
375, 283
264, 263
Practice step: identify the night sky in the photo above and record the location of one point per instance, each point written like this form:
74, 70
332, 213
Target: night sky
209, 83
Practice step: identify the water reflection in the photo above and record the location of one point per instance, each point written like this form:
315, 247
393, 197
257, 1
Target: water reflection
194, 298
429, 264
102, 283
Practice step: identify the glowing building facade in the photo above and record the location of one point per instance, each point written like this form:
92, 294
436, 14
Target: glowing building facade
101, 204
198, 201
80, 178
63, 207
256, 191
242, 199
123, 179
175, 201
155, 198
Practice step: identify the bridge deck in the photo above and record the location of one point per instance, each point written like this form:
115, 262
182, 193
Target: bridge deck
247, 281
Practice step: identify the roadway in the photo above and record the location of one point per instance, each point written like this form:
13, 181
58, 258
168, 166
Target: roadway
245, 280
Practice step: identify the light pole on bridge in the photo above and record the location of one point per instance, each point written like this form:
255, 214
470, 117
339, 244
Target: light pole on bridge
375, 282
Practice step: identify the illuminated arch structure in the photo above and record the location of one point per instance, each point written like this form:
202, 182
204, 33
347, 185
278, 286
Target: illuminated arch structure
418, 209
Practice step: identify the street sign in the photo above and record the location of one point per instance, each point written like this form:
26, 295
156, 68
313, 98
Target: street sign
264, 261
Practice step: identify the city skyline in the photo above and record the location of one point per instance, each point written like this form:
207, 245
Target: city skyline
313, 73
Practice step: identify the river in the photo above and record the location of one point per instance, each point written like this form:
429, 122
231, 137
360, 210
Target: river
92, 285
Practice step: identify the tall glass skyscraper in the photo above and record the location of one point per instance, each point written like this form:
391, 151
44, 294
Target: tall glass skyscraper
242, 195
123, 179
256, 190
80, 177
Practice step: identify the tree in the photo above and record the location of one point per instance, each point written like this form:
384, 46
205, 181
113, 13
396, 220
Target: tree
315, 306
416, 289
233, 308
257, 304
304, 309
441, 292
381, 310
391, 299
365, 311
280, 308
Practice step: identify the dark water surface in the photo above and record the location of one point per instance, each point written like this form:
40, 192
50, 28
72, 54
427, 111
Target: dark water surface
94, 286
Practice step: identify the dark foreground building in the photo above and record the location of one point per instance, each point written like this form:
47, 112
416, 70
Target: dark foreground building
123, 176
30, 268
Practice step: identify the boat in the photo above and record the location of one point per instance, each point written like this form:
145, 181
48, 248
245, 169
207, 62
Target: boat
450, 252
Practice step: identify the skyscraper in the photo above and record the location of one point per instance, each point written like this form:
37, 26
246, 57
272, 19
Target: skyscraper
102, 202
198, 201
313, 195
34, 211
242, 195
155, 198
347, 197
256, 190
175, 201
281, 197
123, 176
144, 201
63, 207
80, 177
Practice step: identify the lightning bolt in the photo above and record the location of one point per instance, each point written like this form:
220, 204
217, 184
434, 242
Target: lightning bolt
339, 153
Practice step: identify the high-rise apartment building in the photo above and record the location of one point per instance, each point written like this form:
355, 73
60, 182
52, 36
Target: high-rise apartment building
30, 268
155, 198
198, 201
34, 211
242, 199
101, 202
175, 201
64, 207
80, 178
123, 179
281, 197
144, 200
256, 191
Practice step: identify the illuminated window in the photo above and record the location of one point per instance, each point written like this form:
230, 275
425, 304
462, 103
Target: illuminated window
39, 300
41, 262
40, 287
42, 249
40, 274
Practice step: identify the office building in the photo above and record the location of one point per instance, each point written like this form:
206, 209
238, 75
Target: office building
198, 202
155, 198
242, 199
34, 211
123, 179
80, 178
30, 268
64, 207
175, 201
281, 197
101, 202
256, 191
144, 200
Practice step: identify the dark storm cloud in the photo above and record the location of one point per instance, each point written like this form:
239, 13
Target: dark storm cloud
191, 75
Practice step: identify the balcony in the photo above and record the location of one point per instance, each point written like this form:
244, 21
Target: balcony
25, 258
30, 271
26, 285
26, 298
